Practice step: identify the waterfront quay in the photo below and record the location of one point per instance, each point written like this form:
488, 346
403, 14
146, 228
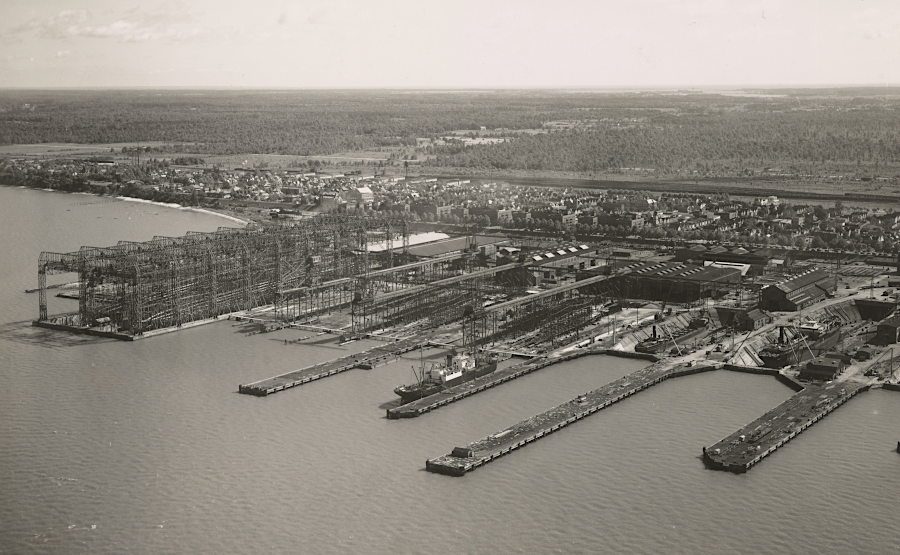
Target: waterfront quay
467, 458
376, 356
749, 445
461, 391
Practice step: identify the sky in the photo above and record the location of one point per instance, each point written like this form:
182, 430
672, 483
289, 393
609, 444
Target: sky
452, 44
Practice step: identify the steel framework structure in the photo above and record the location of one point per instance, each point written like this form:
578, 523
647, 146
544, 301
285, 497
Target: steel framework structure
547, 317
438, 302
133, 288
308, 301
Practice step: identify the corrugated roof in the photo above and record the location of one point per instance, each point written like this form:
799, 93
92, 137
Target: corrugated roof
677, 271
804, 297
756, 314
417, 239
452, 245
802, 280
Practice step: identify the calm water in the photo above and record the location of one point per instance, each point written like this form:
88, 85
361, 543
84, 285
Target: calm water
145, 447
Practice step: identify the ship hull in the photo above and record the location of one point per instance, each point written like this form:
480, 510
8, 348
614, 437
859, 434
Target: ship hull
790, 357
656, 346
410, 393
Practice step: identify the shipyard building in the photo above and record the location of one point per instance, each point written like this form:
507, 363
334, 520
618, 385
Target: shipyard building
798, 292
670, 281
759, 261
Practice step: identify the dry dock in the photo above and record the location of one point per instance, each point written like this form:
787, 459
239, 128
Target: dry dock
464, 459
376, 356
749, 445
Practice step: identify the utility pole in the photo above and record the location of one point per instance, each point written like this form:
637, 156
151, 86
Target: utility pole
614, 329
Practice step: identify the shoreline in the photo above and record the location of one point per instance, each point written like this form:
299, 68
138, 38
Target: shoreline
208, 211
180, 207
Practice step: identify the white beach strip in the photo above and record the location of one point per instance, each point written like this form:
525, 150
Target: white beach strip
180, 207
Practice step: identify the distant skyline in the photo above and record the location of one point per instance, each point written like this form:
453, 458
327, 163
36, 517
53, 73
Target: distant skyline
461, 44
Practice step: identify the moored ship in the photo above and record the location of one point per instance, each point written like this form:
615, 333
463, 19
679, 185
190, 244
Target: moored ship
812, 340
458, 368
664, 340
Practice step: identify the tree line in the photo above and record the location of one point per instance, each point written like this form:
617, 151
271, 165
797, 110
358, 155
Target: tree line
690, 133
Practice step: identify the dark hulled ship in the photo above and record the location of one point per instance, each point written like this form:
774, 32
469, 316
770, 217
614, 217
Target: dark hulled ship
812, 340
459, 368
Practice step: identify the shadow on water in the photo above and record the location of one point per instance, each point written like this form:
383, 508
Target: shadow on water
24, 332
390, 405
248, 328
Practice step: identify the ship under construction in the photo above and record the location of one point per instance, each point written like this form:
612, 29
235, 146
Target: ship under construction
292, 271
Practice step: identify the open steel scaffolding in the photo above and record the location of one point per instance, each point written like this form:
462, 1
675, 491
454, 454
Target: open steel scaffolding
133, 288
438, 302
549, 317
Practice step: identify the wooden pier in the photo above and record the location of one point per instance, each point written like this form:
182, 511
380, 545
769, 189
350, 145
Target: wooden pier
465, 459
749, 445
376, 356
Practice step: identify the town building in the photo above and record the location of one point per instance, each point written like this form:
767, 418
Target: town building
361, 197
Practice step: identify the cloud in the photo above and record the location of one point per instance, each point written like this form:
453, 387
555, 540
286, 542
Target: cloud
874, 24
50, 27
63, 53
135, 25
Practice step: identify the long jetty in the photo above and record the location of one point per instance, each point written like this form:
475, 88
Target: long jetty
465, 459
453, 394
749, 445
376, 356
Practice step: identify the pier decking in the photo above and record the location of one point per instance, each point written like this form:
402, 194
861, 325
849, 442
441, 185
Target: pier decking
749, 445
464, 459
376, 356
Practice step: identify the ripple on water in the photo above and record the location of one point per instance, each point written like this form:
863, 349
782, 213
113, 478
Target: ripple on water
150, 442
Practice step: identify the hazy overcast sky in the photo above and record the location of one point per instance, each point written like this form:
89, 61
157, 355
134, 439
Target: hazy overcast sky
454, 43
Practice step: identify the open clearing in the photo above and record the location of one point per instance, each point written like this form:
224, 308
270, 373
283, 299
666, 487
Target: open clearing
72, 149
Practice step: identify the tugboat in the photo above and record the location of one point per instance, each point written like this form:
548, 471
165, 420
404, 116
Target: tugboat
812, 340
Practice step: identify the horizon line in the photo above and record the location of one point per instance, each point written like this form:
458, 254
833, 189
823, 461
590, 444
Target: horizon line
612, 88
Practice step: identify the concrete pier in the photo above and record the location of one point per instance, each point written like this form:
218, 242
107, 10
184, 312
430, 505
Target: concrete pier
465, 459
749, 445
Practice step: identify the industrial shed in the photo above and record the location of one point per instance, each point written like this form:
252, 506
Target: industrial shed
822, 369
673, 281
798, 292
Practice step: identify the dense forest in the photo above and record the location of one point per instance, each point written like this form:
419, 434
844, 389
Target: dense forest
685, 132
732, 142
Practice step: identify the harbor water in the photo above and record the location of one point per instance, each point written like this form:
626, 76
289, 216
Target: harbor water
111, 447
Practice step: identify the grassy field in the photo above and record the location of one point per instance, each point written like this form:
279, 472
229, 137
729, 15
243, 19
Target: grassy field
70, 149
343, 159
